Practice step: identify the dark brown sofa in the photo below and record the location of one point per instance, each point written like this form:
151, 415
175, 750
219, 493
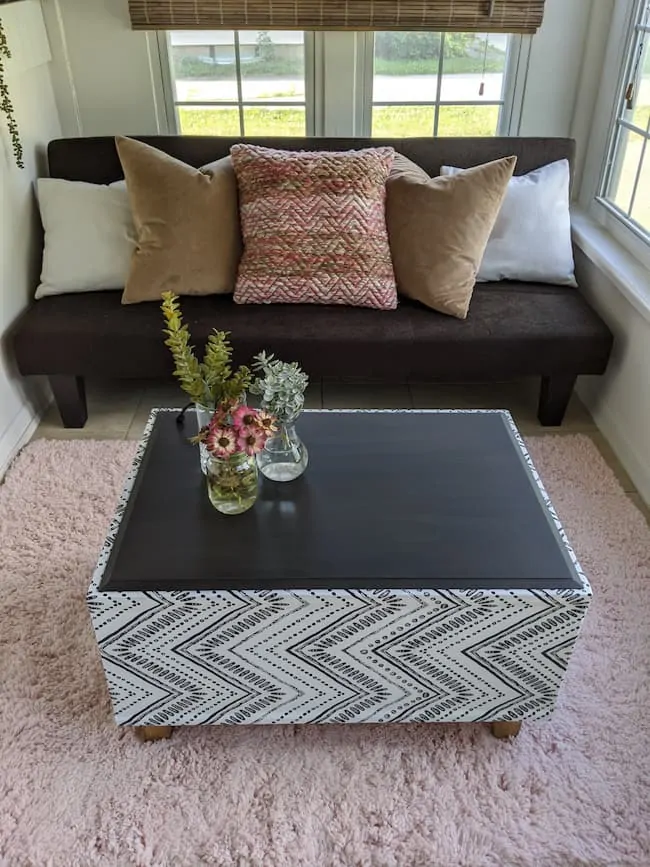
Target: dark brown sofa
513, 329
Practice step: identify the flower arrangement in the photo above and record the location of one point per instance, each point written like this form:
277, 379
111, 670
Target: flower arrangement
236, 430
235, 434
211, 382
281, 386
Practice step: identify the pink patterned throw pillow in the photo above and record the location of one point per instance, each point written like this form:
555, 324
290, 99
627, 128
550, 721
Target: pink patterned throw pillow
314, 227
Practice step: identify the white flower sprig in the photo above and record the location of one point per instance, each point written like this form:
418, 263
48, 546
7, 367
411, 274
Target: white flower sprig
281, 385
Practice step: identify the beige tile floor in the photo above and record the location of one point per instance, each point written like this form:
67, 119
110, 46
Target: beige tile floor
119, 409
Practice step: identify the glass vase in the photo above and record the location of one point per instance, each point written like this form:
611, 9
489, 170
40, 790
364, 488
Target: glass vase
284, 457
232, 483
203, 416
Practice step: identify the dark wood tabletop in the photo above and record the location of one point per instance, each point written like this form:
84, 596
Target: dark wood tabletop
390, 499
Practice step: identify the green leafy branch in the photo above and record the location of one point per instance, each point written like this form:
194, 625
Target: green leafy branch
213, 380
6, 105
280, 384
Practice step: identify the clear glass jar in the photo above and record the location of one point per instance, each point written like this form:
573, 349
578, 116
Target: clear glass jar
203, 416
285, 456
232, 483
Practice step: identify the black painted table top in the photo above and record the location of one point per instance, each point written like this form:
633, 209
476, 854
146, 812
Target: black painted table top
390, 499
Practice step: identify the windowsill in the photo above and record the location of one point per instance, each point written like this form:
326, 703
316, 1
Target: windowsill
620, 266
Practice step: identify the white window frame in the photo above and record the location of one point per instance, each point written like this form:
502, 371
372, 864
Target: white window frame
619, 122
339, 71
602, 136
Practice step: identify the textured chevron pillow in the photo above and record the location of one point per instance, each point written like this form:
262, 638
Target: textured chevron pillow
314, 227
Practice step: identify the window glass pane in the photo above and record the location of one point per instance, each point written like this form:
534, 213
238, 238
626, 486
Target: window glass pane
468, 120
208, 120
474, 67
203, 65
629, 149
406, 67
394, 121
274, 120
272, 65
641, 205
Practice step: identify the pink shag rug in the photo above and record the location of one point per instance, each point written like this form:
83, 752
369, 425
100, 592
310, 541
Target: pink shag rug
570, 792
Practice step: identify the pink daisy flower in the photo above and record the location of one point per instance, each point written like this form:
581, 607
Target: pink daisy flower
266, 422
221, 442
252, 441
244, 417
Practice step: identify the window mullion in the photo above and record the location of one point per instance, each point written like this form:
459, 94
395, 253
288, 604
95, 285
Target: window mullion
240, 92
313, 100
443, 102
168, 84
632, 127
436, 116
364, 81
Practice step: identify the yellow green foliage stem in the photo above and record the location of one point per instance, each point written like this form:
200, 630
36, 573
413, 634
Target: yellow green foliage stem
207, 382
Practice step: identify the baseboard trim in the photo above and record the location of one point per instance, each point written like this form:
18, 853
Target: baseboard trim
17, 435
636, 465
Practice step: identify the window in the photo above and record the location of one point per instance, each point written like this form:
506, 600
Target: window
241, 82
392, 84
626, 184
447, 84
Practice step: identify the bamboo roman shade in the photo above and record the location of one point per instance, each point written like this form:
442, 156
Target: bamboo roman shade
499, 16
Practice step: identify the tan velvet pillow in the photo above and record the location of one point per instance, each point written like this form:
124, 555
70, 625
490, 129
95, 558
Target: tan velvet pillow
438, 231
187, 224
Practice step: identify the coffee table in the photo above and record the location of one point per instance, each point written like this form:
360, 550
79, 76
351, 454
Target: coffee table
416, 573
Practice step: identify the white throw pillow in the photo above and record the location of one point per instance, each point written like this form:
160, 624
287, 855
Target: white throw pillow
89, 236
531, 239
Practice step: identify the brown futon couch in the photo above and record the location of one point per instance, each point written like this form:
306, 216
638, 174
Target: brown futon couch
513, 329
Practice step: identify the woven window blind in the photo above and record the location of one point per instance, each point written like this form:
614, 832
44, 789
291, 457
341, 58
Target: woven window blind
497, 16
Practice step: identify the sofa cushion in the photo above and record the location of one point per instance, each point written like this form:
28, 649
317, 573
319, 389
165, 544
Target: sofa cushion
439, 227
512, 329
314, 227
89, 236
187, 223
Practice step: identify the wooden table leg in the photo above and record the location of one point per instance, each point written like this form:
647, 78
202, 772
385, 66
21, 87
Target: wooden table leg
506, 729
154, 733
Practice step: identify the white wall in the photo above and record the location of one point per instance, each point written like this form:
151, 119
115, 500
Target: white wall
31, 91
554, 70
613, 280
108, 79
590, 89
620, 400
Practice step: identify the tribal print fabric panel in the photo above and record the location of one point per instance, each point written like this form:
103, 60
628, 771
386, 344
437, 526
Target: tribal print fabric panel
240, 657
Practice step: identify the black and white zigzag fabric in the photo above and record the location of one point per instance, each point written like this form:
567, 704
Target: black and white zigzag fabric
333, 656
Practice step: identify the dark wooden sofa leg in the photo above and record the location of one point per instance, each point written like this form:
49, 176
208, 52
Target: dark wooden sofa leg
70, 396
154, 733
554, 397
506, 729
